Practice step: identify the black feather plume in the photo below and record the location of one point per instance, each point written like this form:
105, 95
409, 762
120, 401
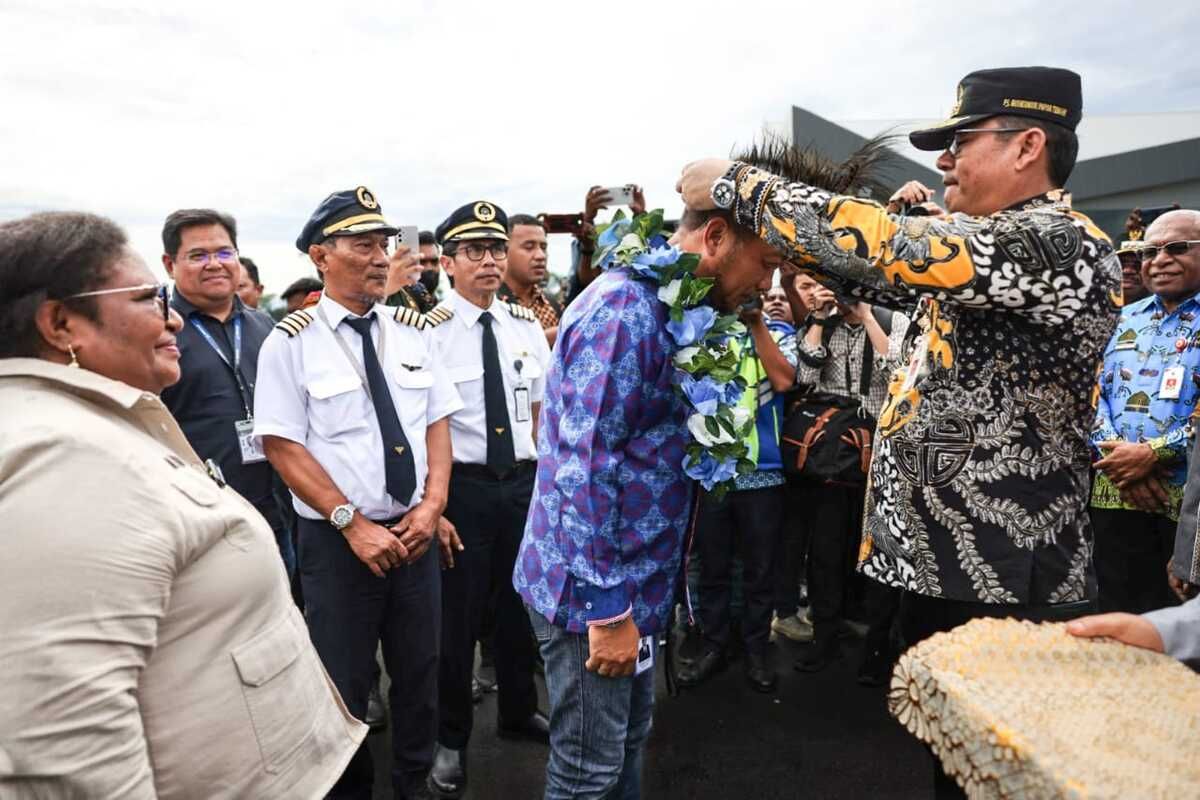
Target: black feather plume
862, 174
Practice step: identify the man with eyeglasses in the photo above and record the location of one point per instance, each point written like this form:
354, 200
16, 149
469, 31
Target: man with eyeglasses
496, 355
218, 358
1149, 386
979, 480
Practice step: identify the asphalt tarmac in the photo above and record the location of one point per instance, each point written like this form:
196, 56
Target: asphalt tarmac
819, 736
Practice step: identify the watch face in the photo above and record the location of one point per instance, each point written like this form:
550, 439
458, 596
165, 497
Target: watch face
342, 516
722, 193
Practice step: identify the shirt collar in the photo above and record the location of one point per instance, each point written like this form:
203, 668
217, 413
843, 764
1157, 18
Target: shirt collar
1055, 198
335, 312
467, 311
83, 382
1155, 303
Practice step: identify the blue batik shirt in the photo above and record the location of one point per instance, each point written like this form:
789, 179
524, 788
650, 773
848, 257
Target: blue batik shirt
1132, 404
608, 518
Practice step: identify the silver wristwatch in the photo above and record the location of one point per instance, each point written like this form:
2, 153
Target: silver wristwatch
342, 516
723, 193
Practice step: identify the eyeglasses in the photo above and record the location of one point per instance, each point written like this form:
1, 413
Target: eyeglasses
200, 258
1150, 252
474, 252
956, 145
161, 295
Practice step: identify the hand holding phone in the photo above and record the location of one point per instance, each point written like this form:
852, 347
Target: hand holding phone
620, 195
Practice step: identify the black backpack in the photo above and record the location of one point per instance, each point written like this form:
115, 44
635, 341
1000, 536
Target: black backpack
827, 438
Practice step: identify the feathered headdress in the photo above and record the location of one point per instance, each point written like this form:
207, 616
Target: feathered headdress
862, 174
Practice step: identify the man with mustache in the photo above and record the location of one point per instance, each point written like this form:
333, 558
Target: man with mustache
353, 415
1149, 386
979, 482
496, 355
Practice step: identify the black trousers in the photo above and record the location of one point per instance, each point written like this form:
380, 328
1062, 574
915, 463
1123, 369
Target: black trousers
490, 517
792, 551
921, 617
746, 523
836, 530
350, 613
1132, 551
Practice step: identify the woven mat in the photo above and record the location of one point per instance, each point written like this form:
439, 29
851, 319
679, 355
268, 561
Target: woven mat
1018, 710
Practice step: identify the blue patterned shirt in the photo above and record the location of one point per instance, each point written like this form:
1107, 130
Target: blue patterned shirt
610, 507
1131, 406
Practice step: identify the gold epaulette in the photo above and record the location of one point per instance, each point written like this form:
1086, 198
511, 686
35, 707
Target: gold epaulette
294, 322
440, 314
521, 312
408, 316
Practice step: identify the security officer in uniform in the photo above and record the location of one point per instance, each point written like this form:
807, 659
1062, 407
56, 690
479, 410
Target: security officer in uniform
354, 418
496, 355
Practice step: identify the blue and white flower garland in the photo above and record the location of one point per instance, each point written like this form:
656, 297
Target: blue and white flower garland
706, 358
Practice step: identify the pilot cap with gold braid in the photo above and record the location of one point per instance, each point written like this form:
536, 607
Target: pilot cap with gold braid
345, 213
478, 220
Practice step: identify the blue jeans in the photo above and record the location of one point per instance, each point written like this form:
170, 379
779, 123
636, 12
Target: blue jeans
597, 725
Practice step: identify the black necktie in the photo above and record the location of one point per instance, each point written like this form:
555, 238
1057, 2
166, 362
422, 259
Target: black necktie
500, 457
399, 469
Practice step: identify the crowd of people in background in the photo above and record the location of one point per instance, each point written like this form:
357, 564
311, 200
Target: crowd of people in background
386, 431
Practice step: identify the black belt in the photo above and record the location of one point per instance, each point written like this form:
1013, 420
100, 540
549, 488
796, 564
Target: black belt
486, 473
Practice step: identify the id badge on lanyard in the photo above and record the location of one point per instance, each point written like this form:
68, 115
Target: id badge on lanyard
521, 404
250, 446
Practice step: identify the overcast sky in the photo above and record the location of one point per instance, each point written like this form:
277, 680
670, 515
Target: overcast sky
133, 109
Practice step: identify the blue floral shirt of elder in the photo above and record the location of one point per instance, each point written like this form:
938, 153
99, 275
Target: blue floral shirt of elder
1131, 406
610, 508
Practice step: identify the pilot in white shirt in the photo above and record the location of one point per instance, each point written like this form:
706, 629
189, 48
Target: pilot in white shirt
496, 355
353, 416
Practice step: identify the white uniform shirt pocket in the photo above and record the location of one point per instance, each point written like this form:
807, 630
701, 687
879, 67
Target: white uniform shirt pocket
335, 404
466, 373
410, 391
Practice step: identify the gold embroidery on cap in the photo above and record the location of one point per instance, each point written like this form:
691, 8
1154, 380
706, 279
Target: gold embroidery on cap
485, 212
1035, 105
957, 102
365, 198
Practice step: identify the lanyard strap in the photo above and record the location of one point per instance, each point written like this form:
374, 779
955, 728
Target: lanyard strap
235, 367
354, 362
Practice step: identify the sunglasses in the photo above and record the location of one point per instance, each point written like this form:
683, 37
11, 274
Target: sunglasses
956, 144
161, 295
1150, 252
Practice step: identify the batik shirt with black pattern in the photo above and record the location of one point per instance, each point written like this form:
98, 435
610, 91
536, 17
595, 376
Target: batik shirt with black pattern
1135, 402
979, 484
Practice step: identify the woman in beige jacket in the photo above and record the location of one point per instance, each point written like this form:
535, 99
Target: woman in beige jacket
148, 643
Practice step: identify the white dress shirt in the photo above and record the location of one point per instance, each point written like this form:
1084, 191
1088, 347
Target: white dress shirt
524, 359
308, 391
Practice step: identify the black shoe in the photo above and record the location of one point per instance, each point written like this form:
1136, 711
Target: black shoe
759, 673
376, 718
448, 776
486, 683
875, 669
703, 667
476, 690
818, 657
535, 727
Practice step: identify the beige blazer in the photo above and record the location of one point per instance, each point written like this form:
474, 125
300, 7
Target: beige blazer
149, 646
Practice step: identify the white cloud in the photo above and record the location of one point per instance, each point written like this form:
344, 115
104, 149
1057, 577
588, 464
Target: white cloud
134, 109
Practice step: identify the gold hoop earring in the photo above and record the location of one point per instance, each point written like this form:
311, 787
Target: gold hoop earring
74, 361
